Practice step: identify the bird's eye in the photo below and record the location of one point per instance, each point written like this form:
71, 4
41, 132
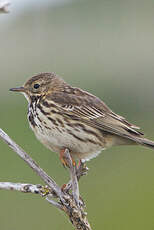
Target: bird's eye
36, 86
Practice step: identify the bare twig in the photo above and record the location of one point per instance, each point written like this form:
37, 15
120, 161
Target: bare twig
26, 188
54, 203
74, 181
69, 203
30, 188
4, 6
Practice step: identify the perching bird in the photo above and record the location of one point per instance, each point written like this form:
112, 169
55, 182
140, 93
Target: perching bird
63, 116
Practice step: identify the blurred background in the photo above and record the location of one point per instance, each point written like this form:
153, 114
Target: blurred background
107, 48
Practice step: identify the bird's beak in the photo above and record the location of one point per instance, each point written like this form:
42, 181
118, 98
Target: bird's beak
18, 89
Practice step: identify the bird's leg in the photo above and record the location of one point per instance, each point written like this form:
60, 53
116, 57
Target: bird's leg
63, 159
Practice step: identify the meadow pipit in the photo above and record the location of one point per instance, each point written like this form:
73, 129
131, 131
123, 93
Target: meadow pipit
63, 116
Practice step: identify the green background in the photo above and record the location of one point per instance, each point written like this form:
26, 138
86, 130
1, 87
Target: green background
107, 48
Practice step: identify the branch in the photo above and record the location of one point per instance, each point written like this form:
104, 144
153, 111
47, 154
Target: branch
30, 188
4, 6
70, 203
73, 175
26, 188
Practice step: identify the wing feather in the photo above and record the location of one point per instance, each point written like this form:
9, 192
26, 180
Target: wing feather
94, 112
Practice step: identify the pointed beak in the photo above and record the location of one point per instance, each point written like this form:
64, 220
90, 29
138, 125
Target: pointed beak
18, 89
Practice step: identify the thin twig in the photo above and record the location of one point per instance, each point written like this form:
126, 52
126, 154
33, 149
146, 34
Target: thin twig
30, 188
26, 188
74, 181
53, 202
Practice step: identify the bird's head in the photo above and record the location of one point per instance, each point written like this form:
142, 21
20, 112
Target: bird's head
39, 85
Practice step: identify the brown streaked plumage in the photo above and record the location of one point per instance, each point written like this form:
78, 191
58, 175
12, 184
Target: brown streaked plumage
63, 116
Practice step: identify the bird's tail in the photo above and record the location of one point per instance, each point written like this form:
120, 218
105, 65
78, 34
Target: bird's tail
145, 142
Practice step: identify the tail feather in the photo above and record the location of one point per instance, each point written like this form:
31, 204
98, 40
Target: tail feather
145, 142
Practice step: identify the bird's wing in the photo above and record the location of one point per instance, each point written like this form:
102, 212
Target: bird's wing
91, 110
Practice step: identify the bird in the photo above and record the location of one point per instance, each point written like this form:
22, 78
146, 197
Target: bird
66, 117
